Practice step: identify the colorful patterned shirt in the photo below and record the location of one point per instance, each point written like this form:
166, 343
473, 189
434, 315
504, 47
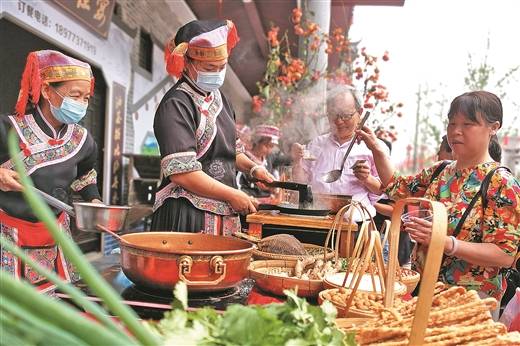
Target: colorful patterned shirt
497, 224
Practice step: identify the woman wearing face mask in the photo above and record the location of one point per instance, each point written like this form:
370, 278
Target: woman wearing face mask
488, 238
195, 128
58, 154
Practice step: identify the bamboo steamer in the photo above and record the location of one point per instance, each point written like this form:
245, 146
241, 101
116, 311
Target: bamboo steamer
272, 283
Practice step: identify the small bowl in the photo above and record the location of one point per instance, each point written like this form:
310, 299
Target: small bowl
94, 217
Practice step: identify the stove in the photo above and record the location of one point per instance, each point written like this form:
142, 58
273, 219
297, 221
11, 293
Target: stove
152, 304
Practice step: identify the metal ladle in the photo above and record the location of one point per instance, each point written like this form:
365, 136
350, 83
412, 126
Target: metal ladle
56, 202
70, 210
335, 174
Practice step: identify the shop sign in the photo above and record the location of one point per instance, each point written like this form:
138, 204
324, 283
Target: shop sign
118, 111
96, 15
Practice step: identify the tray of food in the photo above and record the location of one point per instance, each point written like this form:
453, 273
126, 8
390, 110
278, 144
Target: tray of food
306, 276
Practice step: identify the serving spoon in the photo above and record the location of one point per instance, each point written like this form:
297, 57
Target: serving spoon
335, 174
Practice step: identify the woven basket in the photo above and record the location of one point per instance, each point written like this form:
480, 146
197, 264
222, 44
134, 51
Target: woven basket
350, 322
332, 281
259, 271
311, 248
342, 308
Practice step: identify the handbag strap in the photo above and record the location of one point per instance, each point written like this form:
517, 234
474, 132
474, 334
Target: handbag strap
481, 193
439, 169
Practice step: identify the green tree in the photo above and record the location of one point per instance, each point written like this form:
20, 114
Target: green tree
482, 76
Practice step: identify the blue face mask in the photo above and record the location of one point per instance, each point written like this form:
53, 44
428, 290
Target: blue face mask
210, 81
70, 111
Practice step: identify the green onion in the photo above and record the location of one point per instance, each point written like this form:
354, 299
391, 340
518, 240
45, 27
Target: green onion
76, 295
73, 253
34, 323
13, 332
56, 312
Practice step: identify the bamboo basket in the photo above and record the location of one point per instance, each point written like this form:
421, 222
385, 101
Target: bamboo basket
344, 311
316, 250
358, 271
262, 255
349, 322
259, 271
432, 265
331, 282
412, 279
367, 248
430, 271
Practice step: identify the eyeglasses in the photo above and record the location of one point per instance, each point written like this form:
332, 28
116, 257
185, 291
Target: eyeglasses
342, 116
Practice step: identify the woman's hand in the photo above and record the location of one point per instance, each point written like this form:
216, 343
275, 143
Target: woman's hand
242, 203
261, 173
9, 180
419, 230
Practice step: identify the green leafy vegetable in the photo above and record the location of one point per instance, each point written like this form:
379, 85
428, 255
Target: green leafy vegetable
294, 323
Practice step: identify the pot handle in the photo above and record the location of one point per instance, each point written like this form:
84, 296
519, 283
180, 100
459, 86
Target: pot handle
216, 263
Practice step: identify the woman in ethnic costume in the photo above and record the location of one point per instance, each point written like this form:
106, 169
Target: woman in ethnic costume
265, 138
195, 128
477, 248
58, 154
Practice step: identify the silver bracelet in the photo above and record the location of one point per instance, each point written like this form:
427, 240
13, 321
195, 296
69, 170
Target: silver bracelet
253, 169
454, 246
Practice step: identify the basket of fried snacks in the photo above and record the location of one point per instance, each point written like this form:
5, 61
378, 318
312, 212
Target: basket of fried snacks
364, 305
305, 275
456, 317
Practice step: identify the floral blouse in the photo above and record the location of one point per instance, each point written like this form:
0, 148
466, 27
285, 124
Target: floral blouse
498, 223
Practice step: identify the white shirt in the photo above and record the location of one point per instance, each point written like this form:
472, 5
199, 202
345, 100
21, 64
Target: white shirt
329, 154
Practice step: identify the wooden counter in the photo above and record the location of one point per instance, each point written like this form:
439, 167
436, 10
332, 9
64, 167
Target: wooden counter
256, 222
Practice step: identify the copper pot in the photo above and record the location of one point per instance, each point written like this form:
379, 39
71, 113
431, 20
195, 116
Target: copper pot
332, 202
204, 262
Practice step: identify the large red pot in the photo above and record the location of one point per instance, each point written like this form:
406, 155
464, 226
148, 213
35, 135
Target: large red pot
204, 262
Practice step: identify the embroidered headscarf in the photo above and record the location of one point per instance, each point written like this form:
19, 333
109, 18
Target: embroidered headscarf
48, 66
270, 131
204, 40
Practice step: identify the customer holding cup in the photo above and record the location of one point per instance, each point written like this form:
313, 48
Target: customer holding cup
488, 239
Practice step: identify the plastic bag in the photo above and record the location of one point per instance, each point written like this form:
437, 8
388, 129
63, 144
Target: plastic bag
511, 315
